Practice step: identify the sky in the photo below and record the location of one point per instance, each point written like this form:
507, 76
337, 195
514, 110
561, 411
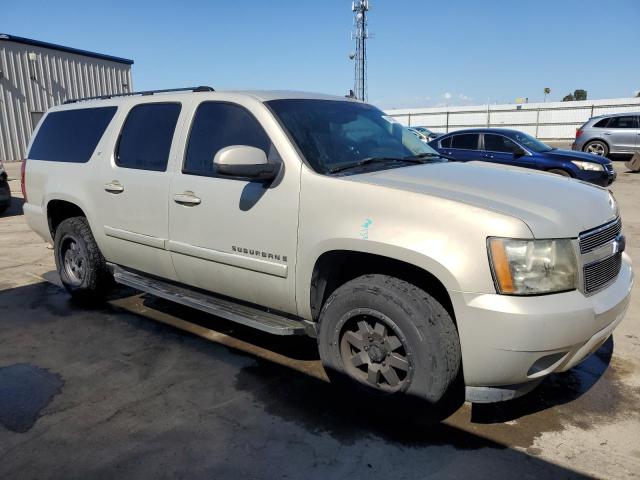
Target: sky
423, 53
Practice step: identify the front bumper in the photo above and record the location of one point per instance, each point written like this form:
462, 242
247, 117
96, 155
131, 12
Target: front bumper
510, 341
604, 179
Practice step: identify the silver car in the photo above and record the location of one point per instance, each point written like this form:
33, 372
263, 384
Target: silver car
609, 134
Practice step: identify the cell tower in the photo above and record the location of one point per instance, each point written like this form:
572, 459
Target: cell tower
360, 35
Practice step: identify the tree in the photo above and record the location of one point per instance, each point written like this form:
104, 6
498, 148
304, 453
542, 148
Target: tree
568, 98
580, 94
638, 94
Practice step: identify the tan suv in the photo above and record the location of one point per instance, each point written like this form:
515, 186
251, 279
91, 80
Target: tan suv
308, 214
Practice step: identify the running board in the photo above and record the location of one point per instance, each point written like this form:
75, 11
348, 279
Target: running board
251, 317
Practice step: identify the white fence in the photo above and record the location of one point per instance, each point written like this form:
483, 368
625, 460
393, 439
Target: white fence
549, 121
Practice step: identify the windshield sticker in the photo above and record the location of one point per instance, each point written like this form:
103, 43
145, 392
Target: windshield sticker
364, 230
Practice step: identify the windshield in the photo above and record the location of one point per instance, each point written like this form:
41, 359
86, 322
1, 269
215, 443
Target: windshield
333, 133
531, 143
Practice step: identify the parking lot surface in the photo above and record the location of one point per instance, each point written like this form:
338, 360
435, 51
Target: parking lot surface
119, 390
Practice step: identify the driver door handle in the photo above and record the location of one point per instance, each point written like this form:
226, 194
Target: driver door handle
114, 187
186, 198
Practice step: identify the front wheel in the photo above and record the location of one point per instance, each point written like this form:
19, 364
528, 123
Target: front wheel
559, 171
81, 266
390, 339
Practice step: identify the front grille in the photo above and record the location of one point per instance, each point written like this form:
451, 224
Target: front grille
598, 274
596, 237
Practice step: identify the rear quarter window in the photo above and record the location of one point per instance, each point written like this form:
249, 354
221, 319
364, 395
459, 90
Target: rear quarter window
601, 123
71, 135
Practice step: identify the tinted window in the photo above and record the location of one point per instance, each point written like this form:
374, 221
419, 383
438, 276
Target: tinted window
467, 141
71, 135
218, 125
498, 143
446, 143
146, 136
601, 123
622, 122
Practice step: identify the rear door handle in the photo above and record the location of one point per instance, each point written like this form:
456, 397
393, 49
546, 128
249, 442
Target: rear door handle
186, 198
114, 187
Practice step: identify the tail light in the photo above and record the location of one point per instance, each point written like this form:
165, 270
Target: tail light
578, 132
22, 179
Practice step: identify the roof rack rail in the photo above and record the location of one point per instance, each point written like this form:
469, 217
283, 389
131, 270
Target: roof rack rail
201, 88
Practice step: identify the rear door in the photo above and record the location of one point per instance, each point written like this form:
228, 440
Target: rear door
463, 147
135, 190
500, 149
622, 133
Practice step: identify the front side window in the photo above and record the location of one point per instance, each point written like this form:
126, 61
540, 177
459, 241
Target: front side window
465, 141
532, 143
331, 134
498, 143
622, 122
217, 125
145, 140
71, 135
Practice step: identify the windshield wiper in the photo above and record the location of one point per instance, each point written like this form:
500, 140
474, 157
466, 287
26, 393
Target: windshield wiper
369, 160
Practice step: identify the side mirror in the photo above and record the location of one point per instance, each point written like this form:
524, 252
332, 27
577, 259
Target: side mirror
244, 161
519, 152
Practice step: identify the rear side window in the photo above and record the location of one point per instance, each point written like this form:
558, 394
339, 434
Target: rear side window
446, 143
217, 125
71, 135
466, 141
622, 122
498, 143
146, 136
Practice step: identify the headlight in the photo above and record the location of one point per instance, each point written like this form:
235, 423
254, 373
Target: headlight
588, 166
532, 267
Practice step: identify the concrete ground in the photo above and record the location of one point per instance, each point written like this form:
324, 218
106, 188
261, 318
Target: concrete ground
118, 390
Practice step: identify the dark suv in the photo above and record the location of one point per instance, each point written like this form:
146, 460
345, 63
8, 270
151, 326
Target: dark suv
5, 192
511, 147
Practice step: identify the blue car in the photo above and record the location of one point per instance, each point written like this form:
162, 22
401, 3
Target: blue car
511, 147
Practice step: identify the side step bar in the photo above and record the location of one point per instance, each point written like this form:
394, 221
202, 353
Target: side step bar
209, 303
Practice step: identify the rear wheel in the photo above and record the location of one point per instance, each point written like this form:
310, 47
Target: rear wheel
389, 339
82, 268
597, 147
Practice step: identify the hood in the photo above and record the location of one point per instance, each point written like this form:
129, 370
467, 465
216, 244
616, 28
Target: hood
552, 206
574, 155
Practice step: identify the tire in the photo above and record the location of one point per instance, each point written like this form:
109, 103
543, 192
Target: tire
597, 147
419, 340
82, 268
559, 171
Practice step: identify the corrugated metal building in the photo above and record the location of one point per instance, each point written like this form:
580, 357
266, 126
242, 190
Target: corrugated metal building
35, 76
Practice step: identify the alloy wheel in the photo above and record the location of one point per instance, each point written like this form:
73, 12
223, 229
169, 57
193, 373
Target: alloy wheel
374, 353
73, 261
